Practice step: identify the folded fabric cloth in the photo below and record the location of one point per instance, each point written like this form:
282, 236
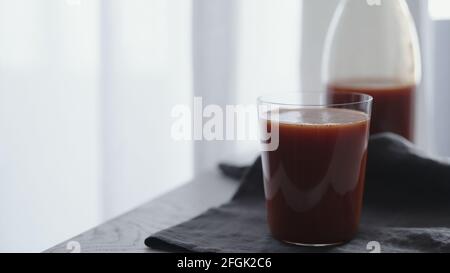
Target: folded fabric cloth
406, 209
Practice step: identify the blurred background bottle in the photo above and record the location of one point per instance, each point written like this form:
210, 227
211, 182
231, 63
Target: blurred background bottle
372, 47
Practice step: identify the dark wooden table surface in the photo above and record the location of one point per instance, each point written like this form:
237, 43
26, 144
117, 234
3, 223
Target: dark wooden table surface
127, 232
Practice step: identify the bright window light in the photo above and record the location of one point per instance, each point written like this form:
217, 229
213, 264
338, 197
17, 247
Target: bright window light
439, 9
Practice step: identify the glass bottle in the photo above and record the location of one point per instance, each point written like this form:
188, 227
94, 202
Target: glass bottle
372, 47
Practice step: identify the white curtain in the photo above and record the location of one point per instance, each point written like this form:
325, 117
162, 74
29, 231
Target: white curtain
49, 152
242, 49
436, 45
86, 92
145, 53
87, 88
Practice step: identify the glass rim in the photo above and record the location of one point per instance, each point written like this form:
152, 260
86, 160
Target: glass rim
269, 98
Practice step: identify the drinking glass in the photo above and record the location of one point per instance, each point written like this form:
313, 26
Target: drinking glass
314, 151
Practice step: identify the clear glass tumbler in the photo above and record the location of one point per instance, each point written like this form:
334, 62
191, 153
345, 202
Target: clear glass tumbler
314, 159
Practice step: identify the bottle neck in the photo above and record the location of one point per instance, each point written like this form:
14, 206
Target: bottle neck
380, 12
374, 5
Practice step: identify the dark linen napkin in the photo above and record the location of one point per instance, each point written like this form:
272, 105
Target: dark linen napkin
406, 209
